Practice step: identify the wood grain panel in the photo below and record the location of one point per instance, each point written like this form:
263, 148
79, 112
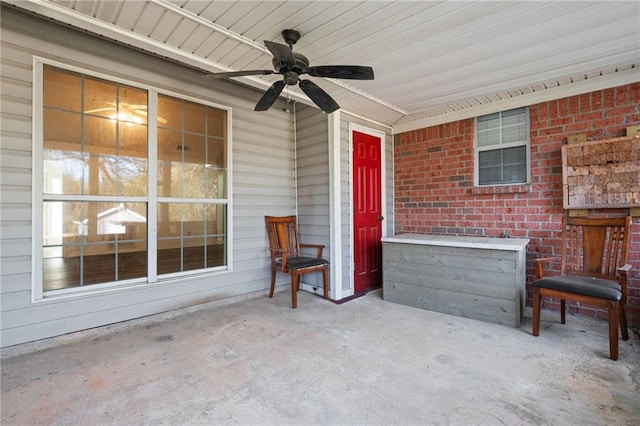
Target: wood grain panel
601, 174
482, 284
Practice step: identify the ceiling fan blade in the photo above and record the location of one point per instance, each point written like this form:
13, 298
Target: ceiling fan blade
319, 96
281, 53
270, 96
351, 72
218, 75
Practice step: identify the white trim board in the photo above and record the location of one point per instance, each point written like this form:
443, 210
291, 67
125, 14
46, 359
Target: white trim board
335, 223
606, 81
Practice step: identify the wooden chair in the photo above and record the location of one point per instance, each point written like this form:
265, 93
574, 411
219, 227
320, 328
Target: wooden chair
286, 255
594, 268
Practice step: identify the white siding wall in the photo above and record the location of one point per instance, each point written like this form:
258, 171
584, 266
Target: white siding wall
313, 184
313, 181
263, 182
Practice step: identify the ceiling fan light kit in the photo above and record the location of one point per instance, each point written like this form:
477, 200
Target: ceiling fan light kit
291, 65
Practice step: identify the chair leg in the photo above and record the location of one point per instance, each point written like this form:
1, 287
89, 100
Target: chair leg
325, 282
536, 311
613, 329
294, 290
273, 282
623, 321
563, 311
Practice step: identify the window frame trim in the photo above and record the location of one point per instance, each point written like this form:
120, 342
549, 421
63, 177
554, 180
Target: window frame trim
477, 149
38, 295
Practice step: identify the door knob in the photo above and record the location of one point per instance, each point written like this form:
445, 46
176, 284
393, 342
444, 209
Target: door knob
380, 217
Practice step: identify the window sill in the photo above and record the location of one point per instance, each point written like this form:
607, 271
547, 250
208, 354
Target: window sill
500, 189
134, 284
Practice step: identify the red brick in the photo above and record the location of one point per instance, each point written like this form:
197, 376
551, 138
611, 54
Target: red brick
584, 102
528, 211
621, 111
589, 116
574, 105
596, 100
609, 98
563, 107
622, 95
580, 127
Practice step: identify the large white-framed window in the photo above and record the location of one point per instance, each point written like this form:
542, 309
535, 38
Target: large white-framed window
131, 183
502, 148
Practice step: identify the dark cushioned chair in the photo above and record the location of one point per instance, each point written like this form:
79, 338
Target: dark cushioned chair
593, 270
286, 255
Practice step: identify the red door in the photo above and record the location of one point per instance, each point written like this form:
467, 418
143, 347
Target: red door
367, 221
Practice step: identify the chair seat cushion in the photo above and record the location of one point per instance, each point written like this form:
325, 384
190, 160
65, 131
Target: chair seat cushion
586, 286
302, 262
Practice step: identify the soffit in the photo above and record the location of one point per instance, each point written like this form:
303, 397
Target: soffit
434, 61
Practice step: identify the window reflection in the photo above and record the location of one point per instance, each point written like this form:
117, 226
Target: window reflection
95, 143
191, 150
101, 150
85, 242
95, 182
190, 236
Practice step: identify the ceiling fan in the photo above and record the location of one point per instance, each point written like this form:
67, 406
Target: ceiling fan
291, 66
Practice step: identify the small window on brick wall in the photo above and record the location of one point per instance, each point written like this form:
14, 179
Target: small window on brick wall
502, 148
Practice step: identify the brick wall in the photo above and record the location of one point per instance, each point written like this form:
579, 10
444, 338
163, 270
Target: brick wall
434, 169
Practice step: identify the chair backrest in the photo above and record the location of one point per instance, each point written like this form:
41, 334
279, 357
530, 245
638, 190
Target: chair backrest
283, 236
595, 247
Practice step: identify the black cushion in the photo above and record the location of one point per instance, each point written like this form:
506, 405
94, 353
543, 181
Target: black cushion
302, 262
582, 285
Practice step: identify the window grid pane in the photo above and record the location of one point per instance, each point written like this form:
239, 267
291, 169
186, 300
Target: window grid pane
514, 134
502, 165
191, 165
88, 243
190, 236
191, 139
104, 131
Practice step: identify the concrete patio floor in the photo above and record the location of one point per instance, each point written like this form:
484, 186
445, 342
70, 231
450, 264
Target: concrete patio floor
365, 362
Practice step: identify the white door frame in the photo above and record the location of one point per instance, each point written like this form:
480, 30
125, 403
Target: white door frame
336, 291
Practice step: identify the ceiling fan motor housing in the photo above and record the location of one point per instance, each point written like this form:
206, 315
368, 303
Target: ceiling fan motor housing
290, 78
301, 65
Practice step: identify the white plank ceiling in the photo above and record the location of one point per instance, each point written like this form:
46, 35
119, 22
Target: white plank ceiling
433, 61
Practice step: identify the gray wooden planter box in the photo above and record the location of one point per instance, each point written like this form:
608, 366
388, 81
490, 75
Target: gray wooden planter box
473, 277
